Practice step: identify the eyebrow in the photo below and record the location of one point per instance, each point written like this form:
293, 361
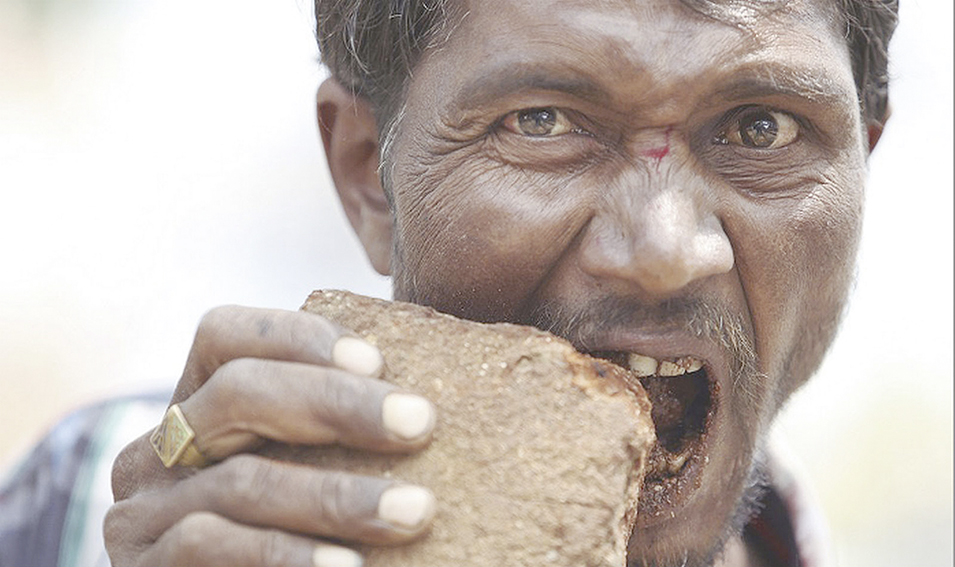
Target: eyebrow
813, 86
518, 77
752, 81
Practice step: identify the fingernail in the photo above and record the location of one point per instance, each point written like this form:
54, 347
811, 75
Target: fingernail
406, 416
406, 506
357, 356
334, 556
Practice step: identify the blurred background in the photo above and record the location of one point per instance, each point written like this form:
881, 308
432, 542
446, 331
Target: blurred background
161, 158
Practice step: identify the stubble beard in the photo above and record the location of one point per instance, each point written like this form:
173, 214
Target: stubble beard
714, 322
748, 505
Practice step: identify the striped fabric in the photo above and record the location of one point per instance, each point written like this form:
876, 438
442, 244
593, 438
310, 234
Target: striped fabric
53, 503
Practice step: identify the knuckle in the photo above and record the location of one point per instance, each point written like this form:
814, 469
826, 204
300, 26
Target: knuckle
273, 549
303, 329
228, 380
332, 494
135, 468
343, 397
121, 471
246, 480
116, 515
116, 525
213, 321
123, 537
192, 534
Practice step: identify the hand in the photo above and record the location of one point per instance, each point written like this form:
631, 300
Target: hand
292, 377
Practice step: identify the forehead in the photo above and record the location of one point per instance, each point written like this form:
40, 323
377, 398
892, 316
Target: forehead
645, 15
657, 49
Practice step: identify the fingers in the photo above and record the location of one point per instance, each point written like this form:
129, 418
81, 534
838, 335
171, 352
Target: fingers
197, 540
255, 491
247, 400
138, 468
231, 332
292, 377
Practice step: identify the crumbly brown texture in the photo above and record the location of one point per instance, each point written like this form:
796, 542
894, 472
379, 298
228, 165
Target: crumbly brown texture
538, 452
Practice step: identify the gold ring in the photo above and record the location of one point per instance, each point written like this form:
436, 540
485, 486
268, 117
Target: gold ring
173, 441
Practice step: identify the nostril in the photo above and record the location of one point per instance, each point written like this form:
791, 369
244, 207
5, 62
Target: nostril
714, 247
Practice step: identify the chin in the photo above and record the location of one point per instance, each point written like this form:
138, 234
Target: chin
696, 534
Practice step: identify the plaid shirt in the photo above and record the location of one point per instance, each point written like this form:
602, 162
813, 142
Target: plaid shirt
53, 503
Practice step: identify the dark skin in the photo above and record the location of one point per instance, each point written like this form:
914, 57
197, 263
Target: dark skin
633, 155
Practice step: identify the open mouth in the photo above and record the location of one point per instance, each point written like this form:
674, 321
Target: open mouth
683, 406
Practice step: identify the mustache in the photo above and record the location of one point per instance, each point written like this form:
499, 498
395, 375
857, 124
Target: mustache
708, 320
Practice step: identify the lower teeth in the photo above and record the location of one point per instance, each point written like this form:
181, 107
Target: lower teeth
666, 464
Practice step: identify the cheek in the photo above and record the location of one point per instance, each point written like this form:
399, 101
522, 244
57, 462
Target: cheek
798, 273
476, 240
829, 226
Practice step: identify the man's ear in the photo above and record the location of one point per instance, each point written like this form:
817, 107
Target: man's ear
350, 136
874, 127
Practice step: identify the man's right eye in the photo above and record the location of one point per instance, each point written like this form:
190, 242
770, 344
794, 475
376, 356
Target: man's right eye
541, 122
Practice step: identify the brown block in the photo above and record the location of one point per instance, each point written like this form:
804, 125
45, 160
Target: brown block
538, 451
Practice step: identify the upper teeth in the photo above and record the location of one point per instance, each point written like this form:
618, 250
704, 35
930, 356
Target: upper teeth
644, 366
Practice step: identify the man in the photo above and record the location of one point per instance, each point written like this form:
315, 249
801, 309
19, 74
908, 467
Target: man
652, 179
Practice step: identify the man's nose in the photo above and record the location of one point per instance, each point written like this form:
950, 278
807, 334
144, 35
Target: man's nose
657, 232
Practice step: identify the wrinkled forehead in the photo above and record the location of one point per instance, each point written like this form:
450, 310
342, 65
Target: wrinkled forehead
732, 12
738, 13
626, 41
743, 15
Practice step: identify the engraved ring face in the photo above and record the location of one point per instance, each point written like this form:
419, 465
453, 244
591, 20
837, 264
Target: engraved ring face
172, 440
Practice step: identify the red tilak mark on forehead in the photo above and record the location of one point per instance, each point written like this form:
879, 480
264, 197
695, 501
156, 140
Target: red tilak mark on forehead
657, 154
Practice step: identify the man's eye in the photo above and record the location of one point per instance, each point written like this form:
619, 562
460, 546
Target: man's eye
760, 128
539, 122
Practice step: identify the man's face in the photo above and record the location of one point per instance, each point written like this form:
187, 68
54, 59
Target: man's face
658, 186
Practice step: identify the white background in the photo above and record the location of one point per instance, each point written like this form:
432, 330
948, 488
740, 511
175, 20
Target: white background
160, 158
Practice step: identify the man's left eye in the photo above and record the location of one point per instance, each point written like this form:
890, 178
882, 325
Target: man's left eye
539, 122
760, 128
